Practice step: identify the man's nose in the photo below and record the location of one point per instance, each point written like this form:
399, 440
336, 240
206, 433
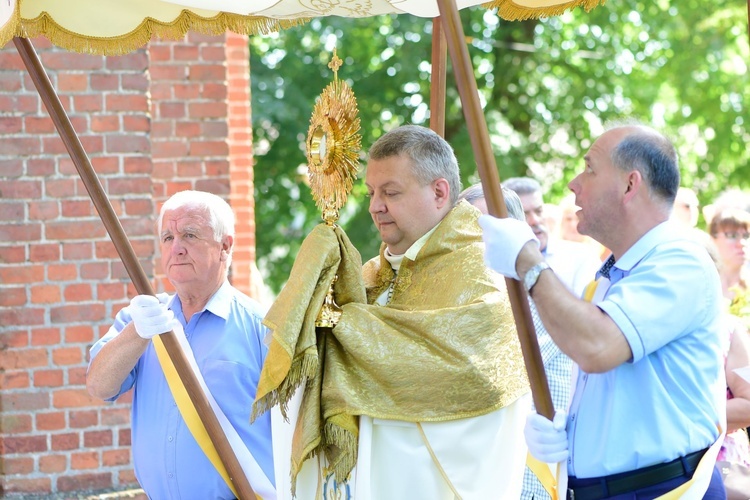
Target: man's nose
376, 204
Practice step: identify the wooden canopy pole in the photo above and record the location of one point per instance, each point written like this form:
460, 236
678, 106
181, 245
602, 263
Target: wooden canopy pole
487, 169
437, 78
129, 259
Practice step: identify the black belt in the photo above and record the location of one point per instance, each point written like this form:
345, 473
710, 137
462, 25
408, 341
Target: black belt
625, 482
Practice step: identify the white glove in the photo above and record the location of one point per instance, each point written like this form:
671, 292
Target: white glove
150, 316
503, 240
547, 440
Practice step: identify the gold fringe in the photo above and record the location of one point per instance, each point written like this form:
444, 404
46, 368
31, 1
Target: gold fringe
303, 367
342, 455
510, 11
10, 28
44, 25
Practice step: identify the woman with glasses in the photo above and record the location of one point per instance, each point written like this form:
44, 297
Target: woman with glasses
729, 232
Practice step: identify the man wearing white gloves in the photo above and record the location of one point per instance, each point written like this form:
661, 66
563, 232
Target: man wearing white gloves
648, 401
222, 330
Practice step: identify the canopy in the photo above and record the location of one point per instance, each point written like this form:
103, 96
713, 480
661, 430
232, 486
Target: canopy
113, 27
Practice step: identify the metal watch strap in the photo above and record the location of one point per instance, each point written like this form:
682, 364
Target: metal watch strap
532, 275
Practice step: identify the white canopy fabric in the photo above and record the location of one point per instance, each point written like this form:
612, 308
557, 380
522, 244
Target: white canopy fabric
114, 27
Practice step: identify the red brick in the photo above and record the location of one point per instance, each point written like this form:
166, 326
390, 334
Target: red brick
71, 61
106, 165
10, 82
84, 460
11, 167
45, 294
207, 110
75, 230
11, 445
73, 398
67, 356
77, 208
20, 485
135, 123
25, 316
77, 313
134, 61
40, 166
187, 91
52, 421
128, 477
38, 125
14, 380
18, 466
137, 165
114, 416
138, 82
12, 255
214, 91
44, 252
43, 210
128, 144
15, 424
123, 437
66, 441
80, 333
203, 149
92, 481
163, 73
169, 149
48, 378
50, 464
159, 52
95, 271
14, 339
127, 102
88, 103
215, 129
11, 124
62, 272
82, 419
78, 292
13, 296
20, 146
206, 72
58, 188
97, 439
45, 336
111, 458
19, 189
77, 375
105, 123
72, 82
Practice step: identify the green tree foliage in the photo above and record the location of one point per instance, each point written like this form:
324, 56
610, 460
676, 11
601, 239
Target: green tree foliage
547, 86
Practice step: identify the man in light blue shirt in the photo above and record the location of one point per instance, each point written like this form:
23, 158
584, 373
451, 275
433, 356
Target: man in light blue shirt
649, 397
224, 331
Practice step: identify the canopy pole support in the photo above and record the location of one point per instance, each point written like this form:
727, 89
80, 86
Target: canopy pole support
127, 255
487, 169
437, 78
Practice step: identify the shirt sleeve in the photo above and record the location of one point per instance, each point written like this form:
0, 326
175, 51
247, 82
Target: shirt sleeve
661, 298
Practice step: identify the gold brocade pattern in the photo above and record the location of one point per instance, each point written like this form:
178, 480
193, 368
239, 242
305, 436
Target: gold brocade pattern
445, 348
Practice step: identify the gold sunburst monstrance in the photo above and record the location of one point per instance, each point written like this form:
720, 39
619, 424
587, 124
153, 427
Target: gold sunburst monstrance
333, 145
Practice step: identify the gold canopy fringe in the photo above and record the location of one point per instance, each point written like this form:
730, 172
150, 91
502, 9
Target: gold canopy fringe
44, 25
511, 11
9, 29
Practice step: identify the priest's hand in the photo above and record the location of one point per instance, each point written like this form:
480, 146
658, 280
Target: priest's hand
150, 316
547, 440
504, 239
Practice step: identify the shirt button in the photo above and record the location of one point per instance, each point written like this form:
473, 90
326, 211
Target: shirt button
170, 474
169, 439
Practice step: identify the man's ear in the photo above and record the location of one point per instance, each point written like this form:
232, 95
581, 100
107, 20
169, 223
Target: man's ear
227, 242
634, 184
442, 191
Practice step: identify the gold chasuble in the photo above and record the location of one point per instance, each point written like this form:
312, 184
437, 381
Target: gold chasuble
444, 348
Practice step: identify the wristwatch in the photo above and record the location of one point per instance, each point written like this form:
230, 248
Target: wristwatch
532, 275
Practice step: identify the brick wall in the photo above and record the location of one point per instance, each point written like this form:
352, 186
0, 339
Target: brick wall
171, 116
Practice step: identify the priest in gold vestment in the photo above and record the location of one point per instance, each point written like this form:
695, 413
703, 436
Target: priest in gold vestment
419, 391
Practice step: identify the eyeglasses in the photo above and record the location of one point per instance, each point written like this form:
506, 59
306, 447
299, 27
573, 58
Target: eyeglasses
736, 235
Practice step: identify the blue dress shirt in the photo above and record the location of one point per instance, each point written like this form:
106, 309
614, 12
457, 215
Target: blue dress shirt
665, 296
227, 341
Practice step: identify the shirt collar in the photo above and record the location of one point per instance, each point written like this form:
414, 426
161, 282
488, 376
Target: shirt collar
411, 252
656, 235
